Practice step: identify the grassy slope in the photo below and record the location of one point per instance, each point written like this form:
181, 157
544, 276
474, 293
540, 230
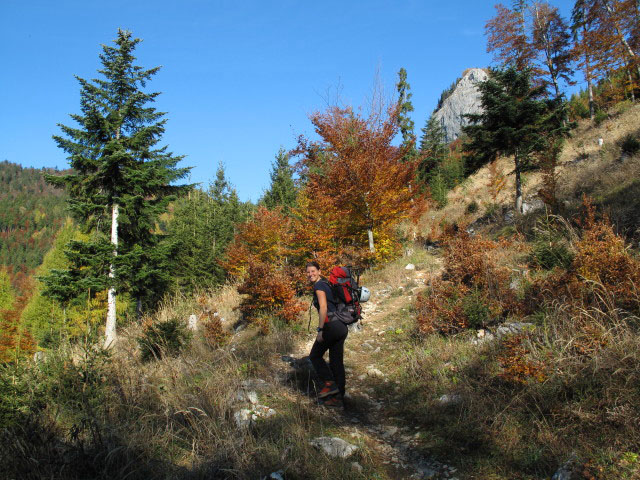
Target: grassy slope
82, 417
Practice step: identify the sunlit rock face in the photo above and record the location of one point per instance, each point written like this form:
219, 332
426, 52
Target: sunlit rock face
464, 99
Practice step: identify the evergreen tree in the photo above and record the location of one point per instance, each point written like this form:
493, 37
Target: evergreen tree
121, 179
405, 123
433, 148
516, 121
282, 191
202, 226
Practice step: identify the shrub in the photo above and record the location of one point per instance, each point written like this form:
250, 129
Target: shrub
630, 145
472, 207
551, 254
600, 117
269, 292
476, 310
213, 331
163, 338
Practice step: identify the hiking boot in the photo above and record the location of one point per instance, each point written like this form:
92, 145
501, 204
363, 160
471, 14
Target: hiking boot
333, 402
330, 388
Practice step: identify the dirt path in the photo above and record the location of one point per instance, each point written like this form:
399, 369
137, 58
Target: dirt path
370, 401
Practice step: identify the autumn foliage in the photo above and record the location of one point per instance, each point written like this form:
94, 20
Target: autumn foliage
474, 290
355, 187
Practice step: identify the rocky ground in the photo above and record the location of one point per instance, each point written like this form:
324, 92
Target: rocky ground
368, 415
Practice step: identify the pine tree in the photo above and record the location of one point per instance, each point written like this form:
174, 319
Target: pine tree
516, 121
121, 179
405, 107
282, 191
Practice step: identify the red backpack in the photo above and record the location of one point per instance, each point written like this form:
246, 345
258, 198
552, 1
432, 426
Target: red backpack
345, 291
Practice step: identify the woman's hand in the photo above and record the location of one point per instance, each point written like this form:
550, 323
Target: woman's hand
319, 337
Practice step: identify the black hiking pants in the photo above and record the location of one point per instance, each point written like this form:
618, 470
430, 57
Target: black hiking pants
333, 337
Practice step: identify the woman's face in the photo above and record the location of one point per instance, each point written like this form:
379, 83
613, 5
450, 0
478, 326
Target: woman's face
313, 274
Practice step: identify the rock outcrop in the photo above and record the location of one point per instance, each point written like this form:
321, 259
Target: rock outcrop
464, 99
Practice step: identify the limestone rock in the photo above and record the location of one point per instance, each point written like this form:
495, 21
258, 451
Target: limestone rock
334, 446
464, 99
193, 322
410, 266
449, 400
245, 417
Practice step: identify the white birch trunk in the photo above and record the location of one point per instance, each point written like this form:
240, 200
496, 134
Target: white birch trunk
372, 248
110, 330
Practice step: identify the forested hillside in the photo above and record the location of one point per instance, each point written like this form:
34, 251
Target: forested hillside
31, 213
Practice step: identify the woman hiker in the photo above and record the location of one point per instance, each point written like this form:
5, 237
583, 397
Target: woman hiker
331, 336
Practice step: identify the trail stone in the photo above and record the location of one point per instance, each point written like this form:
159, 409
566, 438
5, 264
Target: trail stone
334, 446
193, 322
449, 400
374, 372
357, 467
410, 266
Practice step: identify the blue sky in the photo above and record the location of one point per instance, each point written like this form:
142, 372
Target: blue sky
239, 78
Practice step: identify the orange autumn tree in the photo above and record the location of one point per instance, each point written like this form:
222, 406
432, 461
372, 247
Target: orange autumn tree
356, 181
259, 257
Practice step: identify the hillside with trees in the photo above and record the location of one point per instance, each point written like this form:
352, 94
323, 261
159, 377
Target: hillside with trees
169, 321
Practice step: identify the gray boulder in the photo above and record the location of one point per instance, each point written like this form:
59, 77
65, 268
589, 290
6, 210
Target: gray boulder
334, 446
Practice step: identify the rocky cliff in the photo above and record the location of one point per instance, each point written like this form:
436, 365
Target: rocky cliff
464, 99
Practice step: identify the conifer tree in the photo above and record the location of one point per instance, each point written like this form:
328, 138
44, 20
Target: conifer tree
405, 107
282, 191
433, 148
121, 179
516, 121
203, 224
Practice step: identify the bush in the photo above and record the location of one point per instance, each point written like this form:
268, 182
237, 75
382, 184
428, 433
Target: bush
630, 145
551, 254
476, 310
600, 117
472, 207
163, 338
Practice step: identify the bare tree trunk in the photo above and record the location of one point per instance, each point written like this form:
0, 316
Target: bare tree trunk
519, 201
372, 248
110, 330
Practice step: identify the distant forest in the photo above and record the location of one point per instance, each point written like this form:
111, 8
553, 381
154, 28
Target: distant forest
31, 213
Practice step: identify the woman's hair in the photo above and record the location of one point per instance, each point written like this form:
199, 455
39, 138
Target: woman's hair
313, 264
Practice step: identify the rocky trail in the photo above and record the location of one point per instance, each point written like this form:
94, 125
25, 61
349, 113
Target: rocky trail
369, 406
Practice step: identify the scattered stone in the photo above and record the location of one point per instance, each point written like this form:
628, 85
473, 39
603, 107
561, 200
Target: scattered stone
381, 332
377, 350
193, 322
390, 431
355, 327
374, 372
275, 476
334, 446
245, 417
513, 328
447, 400
532, 205
357, 467
565, 472
410, 266
254, 384
362, 377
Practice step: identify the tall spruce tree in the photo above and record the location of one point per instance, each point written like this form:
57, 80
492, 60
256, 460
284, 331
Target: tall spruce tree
282, 191
121, 180
516, 121
405, 123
